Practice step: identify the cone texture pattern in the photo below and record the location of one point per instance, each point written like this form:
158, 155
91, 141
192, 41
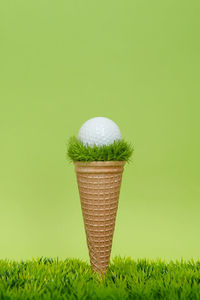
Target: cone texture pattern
99, 187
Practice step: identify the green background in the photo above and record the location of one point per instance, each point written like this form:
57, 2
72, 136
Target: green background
63, 62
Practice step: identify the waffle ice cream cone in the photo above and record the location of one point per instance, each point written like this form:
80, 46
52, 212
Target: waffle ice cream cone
99, 187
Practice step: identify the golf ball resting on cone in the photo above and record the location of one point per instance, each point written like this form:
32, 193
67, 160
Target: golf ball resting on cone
99, 131
99, 155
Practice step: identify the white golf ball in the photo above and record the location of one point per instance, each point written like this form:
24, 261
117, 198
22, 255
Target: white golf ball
99, 131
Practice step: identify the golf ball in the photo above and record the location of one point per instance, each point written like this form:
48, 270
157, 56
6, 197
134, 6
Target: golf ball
99, 131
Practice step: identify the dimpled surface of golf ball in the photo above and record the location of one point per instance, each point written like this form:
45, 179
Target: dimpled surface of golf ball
99, 131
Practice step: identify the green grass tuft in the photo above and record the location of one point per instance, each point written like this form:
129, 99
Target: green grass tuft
46, 278
118, 151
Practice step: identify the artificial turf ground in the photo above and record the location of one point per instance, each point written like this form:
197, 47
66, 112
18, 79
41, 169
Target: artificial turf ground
47, 278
